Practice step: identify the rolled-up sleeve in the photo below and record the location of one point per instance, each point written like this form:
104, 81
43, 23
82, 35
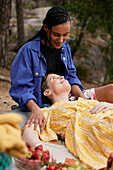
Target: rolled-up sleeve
22, 87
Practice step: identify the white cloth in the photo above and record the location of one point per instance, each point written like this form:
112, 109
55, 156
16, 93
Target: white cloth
88, 93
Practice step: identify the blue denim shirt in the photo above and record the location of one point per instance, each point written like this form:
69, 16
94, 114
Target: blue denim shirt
28, 68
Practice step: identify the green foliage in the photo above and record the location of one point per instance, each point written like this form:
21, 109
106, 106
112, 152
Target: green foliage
82, 72
100, 13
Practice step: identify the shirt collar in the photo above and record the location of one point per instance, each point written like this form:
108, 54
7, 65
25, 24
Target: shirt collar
36, 45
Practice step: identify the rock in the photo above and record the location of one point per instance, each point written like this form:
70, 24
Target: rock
93, 58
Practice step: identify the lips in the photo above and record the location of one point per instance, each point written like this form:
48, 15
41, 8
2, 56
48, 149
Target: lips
58, 44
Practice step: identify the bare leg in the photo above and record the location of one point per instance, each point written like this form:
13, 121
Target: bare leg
105, 93
31, 136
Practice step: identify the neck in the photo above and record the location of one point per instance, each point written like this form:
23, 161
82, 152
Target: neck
60, 98
43, 41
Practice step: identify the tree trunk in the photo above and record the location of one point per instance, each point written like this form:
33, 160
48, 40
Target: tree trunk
5, 14
20, 22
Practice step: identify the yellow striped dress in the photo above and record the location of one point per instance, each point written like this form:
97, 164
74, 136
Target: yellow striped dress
87, 136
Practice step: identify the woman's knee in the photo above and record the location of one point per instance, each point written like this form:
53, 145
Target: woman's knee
110, 87
104, 93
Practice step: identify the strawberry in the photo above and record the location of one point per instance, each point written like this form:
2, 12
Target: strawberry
37, 154
47, 152
23, 160
45, 156
31, 163
20, 163
37, 161
52, 167
59, 168
39, 147
32, 150
28, 145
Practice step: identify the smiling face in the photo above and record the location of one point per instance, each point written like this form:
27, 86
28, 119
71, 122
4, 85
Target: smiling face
58, 34
57, 84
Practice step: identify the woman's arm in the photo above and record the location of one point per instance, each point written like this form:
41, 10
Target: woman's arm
31, 136
22, 86
76, 91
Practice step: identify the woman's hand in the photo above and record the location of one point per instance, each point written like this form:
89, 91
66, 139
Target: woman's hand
37, 117
102, 106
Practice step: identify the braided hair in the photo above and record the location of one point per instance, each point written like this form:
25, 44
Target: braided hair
55, 16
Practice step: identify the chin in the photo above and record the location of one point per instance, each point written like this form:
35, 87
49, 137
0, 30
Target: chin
68, 88
58, 47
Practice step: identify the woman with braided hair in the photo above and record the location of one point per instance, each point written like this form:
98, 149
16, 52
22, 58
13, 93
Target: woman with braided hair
47, 52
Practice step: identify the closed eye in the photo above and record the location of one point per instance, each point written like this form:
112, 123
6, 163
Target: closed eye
55, 34
66, 34
54, 77
58, 35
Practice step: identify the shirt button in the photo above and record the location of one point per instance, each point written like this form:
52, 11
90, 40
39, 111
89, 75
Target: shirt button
36, 73
63, 58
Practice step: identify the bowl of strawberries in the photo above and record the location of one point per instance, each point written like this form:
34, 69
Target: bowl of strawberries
36, 158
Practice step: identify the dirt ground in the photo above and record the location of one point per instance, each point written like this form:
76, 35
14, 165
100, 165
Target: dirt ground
6, 101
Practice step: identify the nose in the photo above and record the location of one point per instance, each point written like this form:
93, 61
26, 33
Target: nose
60, 39
61, 77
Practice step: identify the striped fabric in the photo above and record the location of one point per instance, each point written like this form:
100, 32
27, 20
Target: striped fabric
88, 136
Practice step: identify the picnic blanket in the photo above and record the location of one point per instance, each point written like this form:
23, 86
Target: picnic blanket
87, 136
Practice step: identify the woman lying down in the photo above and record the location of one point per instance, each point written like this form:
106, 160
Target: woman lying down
87, 136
